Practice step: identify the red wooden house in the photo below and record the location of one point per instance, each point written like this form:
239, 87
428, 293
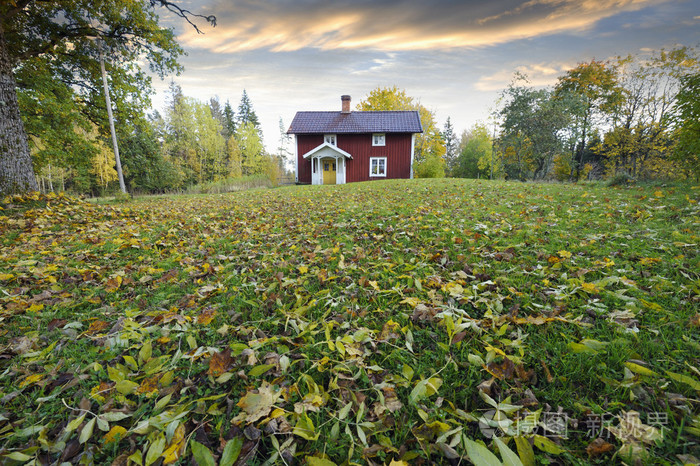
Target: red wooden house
342, 147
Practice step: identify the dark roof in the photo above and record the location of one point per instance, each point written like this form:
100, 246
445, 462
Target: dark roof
356, 122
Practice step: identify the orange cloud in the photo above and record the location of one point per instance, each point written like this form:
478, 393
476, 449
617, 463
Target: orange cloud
394, 25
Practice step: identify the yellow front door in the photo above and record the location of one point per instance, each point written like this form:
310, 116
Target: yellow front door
328, 171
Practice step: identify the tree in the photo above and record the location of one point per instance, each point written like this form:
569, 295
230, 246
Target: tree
246, 114
194, 140
596, 85
429, 146
448, 135
146, 169
61, 36
251, 147
533, 128
639, 144
687, 118
475, 153
229, 122
283, 153
234, 158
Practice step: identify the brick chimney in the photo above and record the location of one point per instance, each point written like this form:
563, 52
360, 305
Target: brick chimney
346, 103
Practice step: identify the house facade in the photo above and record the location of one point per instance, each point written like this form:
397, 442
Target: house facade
346, 146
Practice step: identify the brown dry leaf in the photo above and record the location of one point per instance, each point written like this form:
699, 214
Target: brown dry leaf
56, 323
206, 316
695, 321
113, 284
220, 363
149, 386
391, 400
501, 371
96, 327
423, 312
599, 447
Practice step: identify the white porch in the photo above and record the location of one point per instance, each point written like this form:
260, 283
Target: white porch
327, 164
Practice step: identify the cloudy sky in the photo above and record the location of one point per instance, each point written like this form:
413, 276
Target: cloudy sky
455, 56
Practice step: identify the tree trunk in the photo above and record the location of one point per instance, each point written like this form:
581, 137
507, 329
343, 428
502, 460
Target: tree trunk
16, 171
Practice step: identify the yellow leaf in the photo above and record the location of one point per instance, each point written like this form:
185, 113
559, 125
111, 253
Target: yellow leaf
413, 302
34, 378
6, 276
35, 308
546, 445
684, 379
176, 447
316, 461
639, 369
564, 254
590, 287
305, 428
114, 432
303, 269
258, 405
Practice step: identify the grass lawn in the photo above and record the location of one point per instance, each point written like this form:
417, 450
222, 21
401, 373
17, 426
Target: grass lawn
412, 321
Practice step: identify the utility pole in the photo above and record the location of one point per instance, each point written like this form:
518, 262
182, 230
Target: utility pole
108, 102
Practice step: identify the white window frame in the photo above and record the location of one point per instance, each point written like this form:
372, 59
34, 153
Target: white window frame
372, 161
331, 139
379, 139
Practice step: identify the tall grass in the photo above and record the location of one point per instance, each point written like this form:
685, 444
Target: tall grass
229, 185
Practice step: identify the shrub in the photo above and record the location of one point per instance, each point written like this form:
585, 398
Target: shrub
621, 179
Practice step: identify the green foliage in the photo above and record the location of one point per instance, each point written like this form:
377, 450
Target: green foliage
55, 46
475, 153
596, 87
621, 179
194, 141
429, 146
451, 147
533, 122
687, 151
431, 166
246, 115
251, 147
146, 170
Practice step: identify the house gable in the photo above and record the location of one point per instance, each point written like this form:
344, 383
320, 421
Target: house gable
326, 150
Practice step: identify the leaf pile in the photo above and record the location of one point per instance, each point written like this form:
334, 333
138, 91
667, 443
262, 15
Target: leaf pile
421, 322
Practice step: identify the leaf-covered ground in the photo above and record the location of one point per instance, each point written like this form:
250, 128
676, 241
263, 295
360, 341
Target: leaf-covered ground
413, 322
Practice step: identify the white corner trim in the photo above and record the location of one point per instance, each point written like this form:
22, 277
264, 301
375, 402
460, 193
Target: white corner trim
296, 159
413, 149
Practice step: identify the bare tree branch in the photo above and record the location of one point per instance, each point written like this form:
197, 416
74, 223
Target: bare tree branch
185, 14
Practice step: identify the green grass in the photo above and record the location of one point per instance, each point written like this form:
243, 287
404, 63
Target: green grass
357, 323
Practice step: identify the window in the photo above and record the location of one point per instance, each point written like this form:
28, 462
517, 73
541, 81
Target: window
378, 139
330, 139
314, 165
377, 166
